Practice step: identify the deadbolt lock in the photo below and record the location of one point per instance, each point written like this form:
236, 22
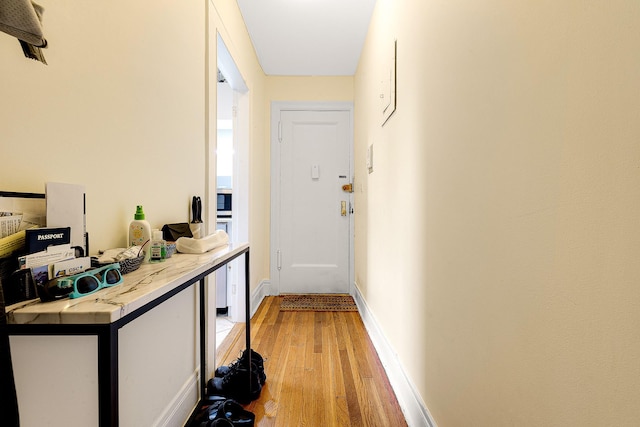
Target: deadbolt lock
348, 188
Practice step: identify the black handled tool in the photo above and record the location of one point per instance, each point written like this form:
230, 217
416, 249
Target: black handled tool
199, 213
194, 210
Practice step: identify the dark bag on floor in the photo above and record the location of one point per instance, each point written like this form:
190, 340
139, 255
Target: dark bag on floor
218, 410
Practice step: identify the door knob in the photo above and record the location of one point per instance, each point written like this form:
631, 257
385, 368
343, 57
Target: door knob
343, 208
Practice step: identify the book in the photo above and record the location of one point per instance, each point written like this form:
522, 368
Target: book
11, 244
39, 239
9, 223
71, 267
50, 255
40, 275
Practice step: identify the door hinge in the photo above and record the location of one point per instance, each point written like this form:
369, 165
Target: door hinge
279, 259
280, 131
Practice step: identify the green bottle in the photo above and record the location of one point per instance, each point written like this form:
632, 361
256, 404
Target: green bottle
158, 247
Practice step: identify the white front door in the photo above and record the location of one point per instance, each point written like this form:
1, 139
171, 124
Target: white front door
313, 215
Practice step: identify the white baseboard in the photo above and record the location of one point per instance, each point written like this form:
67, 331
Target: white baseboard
258, 295
180, 408
415, 412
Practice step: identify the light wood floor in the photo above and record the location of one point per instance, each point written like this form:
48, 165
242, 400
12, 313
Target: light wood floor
321, 367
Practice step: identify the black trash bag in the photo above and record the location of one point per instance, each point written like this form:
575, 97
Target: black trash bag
172, 232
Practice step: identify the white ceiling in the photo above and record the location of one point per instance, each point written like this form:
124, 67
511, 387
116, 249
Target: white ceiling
307, 37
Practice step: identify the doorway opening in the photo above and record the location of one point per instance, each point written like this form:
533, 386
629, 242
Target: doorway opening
232, 184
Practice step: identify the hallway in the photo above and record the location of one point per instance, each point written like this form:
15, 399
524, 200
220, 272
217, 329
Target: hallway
321, 367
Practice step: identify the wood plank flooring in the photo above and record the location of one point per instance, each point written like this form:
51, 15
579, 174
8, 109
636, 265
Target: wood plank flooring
321, 367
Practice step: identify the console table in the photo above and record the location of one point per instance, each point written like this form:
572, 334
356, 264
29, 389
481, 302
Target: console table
105, 312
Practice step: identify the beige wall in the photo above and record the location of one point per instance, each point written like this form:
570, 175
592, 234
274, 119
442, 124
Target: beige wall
317, 88
124, 108
497, 238
117, 109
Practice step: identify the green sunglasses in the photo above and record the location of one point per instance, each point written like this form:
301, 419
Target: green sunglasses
91, 281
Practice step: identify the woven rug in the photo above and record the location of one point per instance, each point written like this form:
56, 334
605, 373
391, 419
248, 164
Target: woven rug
318, 302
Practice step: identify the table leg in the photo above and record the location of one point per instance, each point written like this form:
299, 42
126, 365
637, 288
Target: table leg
108, 404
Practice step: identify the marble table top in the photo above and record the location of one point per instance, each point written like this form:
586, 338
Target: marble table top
140, 287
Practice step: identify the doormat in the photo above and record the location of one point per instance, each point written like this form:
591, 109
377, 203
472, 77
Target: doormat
318, 302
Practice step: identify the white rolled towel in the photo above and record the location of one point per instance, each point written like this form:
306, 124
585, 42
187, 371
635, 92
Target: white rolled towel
189, 245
